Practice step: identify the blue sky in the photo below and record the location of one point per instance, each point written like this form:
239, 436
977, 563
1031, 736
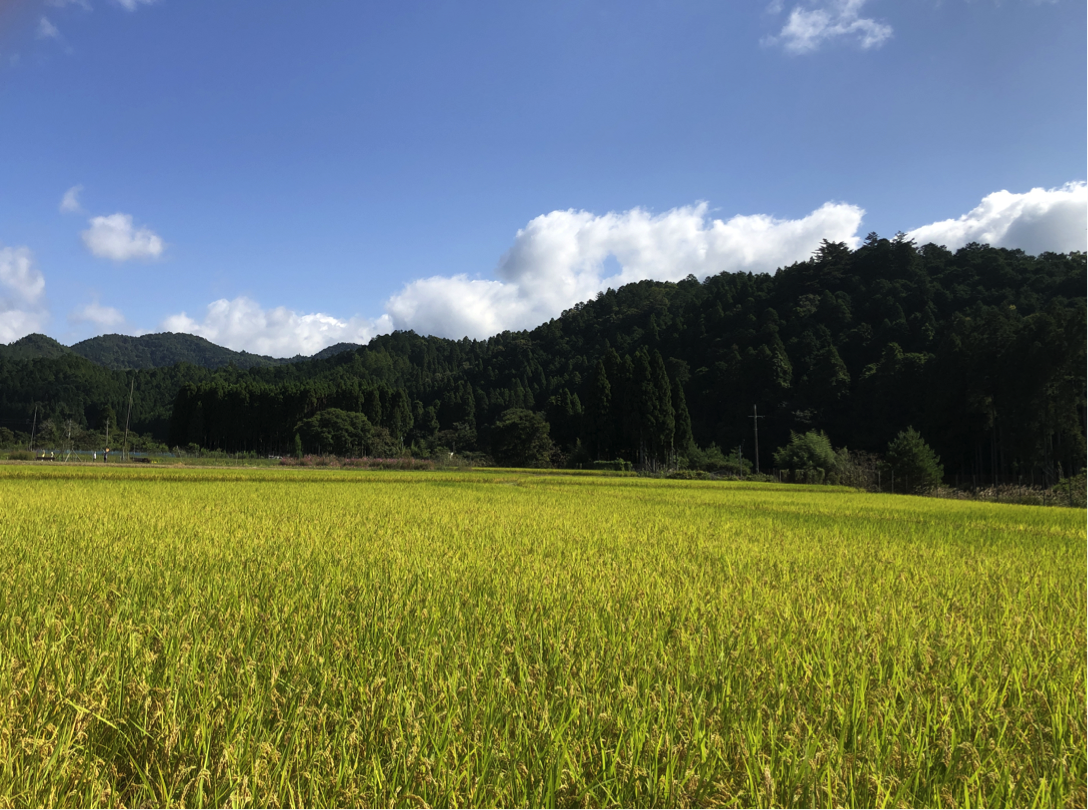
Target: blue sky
282, 176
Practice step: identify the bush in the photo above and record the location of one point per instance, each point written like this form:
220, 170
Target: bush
1072, 491
913, 464
808, 456
858, 469
616, 465
397, 463
712, 459
20, 455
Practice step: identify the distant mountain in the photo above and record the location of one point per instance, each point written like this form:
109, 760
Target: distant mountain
162, 350
165, 349
34, 346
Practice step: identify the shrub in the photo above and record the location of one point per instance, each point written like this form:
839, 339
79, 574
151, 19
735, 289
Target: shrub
616, 465
712, 459
689, 475
858, 469
20, 455
1072, 491
809, 456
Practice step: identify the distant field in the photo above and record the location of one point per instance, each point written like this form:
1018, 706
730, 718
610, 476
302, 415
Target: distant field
328, 637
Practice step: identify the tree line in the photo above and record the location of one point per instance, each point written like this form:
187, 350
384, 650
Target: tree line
982, 351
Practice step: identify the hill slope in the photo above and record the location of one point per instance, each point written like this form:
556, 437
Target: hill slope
164, 349
33, 346
161, 350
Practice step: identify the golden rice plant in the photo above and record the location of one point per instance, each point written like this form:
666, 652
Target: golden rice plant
334, 637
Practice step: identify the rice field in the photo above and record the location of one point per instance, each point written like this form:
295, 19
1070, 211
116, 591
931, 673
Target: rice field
331, 637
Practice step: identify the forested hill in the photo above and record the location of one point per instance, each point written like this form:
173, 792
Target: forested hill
982, 351
123, 352
165, 349
33, 347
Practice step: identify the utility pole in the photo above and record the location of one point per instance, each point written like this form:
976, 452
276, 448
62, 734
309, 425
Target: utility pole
124, 447
33, 428
755, 417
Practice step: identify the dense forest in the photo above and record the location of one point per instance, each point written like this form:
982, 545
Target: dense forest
982, 351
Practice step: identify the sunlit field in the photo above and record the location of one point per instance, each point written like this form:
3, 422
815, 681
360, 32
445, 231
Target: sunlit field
326, 637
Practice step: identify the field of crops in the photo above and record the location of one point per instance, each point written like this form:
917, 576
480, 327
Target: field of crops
330, 637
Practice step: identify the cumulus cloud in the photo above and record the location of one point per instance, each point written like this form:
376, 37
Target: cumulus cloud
21, 289
242, 324
98, 315
19, 274
1036, 221
565, 257
808, 28
69, 203
115, 237
46, 29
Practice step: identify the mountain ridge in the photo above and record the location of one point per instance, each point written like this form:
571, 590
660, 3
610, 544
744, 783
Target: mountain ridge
155, 350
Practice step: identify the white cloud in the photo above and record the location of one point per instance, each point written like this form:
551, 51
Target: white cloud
20, 275
69, 203
21, 288
807, 28
132, 5
84, 4
280, 332
1037, 221
46, 29
16, 323
564, 257
100, 316
115, 237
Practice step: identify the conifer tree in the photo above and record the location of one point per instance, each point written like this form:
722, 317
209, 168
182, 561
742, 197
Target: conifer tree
916, 467
664, 416
644, 413
598, 421
684, 440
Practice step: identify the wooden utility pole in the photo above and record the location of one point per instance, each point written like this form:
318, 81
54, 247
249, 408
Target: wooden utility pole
124, 447
755, 417
33, 428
